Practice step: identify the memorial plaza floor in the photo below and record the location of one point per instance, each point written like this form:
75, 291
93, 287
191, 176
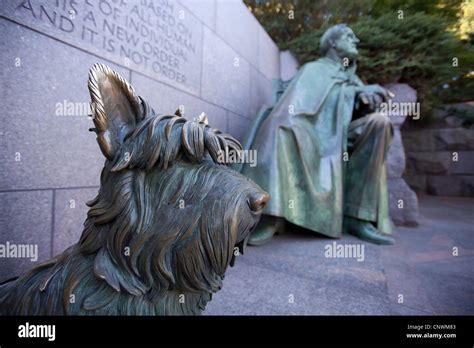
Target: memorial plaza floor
429, 271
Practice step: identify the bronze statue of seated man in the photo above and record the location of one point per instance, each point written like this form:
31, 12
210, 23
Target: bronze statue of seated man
322, 149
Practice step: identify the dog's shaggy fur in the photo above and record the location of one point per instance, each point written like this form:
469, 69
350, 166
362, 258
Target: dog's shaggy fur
165, 224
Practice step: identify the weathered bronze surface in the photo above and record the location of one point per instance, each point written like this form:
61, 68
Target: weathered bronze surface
322, 147
167, 222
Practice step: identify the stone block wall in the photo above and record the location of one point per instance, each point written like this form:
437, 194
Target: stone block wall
209, 56
440, 156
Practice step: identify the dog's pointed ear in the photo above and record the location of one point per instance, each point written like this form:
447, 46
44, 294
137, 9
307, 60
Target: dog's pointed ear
116, 109
179, 112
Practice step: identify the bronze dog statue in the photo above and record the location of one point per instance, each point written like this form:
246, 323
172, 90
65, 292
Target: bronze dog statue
168, 220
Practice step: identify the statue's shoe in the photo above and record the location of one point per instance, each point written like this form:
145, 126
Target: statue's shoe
366, 231
262, 235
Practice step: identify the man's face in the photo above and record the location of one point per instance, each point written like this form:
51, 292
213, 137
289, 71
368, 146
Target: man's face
346, 44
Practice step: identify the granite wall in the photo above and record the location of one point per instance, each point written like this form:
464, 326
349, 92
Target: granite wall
440, 155
209, 56
403, 201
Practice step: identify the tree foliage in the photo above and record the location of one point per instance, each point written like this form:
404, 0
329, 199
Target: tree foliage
401, 40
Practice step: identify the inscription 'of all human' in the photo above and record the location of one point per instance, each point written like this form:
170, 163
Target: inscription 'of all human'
150, 36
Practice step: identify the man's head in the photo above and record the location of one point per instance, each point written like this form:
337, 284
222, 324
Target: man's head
339, 40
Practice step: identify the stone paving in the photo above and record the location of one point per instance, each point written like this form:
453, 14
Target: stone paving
292, 276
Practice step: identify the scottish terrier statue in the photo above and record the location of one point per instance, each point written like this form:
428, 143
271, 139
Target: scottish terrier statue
167, 222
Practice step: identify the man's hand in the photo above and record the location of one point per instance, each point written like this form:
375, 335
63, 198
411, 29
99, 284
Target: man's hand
372, 96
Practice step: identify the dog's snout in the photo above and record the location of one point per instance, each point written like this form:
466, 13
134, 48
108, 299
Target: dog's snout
257, 201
